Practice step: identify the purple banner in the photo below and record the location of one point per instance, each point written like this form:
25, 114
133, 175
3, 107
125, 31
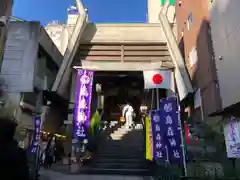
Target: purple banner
170, 115
36, 134
167, 144
159, 149
83, 104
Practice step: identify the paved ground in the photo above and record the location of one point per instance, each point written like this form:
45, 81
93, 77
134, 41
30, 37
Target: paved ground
51, 175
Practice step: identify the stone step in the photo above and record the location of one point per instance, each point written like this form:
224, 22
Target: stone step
113, 150
125, 145
123, 160
117, 165
120, 155
115, 171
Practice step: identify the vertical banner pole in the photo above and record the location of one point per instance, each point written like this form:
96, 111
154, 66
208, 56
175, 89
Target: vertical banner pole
181, 132
158, 100
152, 100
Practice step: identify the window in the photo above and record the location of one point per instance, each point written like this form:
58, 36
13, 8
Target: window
189, 21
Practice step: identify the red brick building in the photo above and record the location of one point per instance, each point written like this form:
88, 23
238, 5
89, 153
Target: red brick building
194, 37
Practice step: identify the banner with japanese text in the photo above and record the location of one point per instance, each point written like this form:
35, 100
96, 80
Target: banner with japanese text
158, 137
149, 142
82, 110
36, 134
232, 138
167, 132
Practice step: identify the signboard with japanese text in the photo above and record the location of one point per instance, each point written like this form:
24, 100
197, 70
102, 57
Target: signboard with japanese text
171, 118
36, 134
167, 142
159, 144
82, 105
232, 138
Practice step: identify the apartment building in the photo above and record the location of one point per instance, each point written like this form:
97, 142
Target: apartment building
194, 31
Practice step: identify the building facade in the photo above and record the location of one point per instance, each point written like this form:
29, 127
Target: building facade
225, 37
5, 13
194, 37
61, 33
30, 65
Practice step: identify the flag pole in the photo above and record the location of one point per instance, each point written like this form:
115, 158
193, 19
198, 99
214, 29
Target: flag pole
152, 100
158, 100
181, 133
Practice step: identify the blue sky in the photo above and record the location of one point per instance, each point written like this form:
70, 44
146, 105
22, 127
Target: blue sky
100, 11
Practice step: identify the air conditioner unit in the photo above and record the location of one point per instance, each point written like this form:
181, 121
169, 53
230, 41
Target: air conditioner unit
3, 21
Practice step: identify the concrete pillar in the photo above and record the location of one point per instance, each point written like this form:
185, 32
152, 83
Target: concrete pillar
69, 128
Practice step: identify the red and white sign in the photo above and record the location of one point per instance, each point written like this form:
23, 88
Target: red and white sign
156, 79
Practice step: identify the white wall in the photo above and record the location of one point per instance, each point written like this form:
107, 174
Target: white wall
225, 25
61, 33
154, 8
56, 33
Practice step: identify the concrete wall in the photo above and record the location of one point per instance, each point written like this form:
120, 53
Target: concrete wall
61, 33
225, 27
20, 55
5, 12
154, 8
123, 33
57, 33
49, 46
23, 70
198, 51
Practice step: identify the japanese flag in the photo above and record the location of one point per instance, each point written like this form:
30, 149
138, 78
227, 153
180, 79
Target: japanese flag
155, 79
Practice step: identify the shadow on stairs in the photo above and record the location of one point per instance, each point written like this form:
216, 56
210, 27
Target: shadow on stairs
121, 152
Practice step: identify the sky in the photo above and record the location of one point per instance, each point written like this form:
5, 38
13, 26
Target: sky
100, 11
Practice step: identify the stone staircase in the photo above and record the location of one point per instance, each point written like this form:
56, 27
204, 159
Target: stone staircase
121, 152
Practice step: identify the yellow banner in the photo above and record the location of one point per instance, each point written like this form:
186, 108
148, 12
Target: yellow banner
149, 143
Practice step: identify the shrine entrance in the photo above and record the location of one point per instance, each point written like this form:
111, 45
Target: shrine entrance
119, 87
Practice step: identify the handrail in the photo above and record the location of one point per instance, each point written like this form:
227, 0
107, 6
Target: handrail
180, 67
72, 45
